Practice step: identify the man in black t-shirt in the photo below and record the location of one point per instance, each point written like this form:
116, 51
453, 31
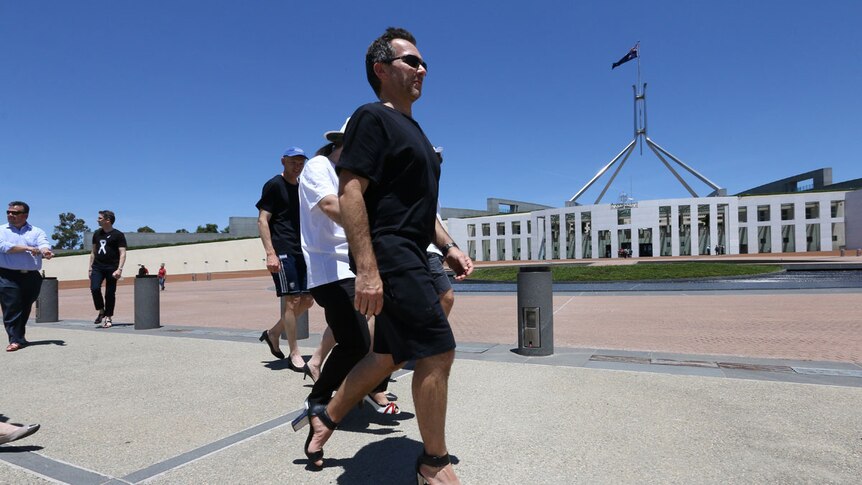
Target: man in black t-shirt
278, 222
106, 264
388, 176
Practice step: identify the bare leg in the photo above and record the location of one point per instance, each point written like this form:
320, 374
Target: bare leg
447, 301
364, 376
327, 342
430, 394
294, 305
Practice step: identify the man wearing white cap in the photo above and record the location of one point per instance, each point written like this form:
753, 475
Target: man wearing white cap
278, 222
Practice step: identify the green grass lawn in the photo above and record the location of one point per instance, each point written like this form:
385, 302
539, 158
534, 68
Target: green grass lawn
641, 271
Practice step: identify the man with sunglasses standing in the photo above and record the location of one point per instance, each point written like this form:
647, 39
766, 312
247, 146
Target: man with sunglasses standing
22, 247
388, 176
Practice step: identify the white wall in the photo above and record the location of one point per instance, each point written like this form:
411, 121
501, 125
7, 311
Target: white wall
237, 255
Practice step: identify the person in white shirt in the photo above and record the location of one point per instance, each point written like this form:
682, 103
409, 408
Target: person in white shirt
330, 280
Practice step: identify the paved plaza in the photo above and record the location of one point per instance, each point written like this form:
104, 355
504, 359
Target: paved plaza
671, 387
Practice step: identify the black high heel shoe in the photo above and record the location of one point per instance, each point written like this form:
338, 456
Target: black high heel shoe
265, 338
306, 372
432, 461
99, 317
318, 411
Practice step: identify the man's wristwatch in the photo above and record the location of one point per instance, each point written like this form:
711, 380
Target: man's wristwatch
445, 249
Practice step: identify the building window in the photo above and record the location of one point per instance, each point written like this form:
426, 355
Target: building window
743, 214
624, 216
788, 239
812, 237
555, 236
812, 210
763, 213
586, 235
516, 227
501, 228
837, 208
486, 230
571, 234
501, 250
786, 212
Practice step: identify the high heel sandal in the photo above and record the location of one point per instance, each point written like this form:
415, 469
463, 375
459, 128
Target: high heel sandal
318, 411
265, 338
432, 461
108, 323
388, 408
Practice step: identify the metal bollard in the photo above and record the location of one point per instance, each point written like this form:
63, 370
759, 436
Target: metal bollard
147, 302
535, 311
859, 252
47, 304
301, 324
841, 252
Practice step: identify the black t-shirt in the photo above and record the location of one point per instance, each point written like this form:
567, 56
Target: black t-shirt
390, 149
107, 247
281, 199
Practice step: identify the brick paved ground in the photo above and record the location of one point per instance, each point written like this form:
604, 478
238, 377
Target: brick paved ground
800, 325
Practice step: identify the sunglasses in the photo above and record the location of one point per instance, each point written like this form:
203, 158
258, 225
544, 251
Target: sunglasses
410, 60
14, 213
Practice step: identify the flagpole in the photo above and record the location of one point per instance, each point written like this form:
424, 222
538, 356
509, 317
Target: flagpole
638, 49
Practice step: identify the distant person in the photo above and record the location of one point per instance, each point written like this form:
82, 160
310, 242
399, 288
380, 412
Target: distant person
162, 274
22, 247
143, 271
330, 280
10, 432
278, 222
106, 264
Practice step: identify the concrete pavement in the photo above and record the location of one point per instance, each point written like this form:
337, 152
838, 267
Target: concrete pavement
672, 388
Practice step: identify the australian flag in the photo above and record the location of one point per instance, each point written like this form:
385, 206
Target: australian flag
633, 52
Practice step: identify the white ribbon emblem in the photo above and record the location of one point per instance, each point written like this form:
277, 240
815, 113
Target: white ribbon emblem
102, 245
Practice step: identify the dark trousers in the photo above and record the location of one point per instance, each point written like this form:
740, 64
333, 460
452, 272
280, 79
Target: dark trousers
96, 277
18, 291
350, 330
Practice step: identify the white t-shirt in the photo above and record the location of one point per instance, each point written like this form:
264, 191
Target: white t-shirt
432, 248
324, 244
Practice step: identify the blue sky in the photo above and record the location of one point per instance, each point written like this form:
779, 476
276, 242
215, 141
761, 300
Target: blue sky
174, 113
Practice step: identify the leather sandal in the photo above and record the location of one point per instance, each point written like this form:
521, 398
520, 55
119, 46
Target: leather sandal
432, 461
317, 411
13, 347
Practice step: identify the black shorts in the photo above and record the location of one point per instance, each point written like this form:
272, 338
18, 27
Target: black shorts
292, 278
412, 324
438, 274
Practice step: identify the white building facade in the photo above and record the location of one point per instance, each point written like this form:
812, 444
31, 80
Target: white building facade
784, 223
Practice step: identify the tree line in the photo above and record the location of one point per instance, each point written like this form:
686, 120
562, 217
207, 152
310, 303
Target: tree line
69, 233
